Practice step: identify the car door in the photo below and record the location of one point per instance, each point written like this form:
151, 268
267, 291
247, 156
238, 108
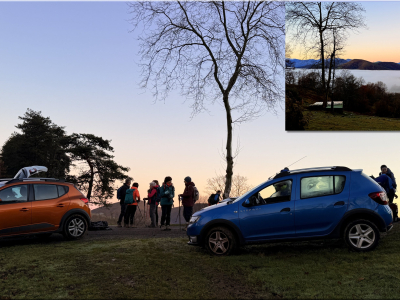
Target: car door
15, 210
321, 202
269, 212
50, 203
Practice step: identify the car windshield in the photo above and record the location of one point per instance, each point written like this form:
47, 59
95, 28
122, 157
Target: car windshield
251, 191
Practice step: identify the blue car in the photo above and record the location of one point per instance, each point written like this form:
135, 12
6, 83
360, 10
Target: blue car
329, 202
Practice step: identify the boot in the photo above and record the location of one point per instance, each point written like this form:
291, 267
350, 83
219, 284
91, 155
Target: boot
167, 227
119, 224
133, 226
161, 227
126, 225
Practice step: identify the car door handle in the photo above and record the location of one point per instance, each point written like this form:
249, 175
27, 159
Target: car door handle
339, 203
285, 209
24, 209
60, 205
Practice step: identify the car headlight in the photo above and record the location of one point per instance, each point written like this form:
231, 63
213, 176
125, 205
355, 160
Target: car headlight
194, 219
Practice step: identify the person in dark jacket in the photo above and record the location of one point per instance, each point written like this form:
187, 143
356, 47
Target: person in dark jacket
188, 199
391, 194
157, 202
121, 198
167, 194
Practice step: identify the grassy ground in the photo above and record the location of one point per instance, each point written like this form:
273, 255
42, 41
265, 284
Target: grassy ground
168, 268
321, 120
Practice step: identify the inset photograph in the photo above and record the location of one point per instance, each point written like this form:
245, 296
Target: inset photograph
342, 66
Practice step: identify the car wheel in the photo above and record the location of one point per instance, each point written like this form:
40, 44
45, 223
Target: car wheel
74, 227
361, 235
220, 241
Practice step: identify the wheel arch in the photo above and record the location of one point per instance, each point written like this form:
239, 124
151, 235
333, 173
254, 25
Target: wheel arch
364, 214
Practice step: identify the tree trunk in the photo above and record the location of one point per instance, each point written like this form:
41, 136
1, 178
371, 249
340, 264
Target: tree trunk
229, 157
321, 40
89, 193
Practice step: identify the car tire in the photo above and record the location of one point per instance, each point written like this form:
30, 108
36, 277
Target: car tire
361, 235
220, 241
75, 227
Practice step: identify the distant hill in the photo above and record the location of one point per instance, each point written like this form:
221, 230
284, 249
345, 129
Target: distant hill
360, 64
313, 63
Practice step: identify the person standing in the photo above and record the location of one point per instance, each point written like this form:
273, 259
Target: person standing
391, 194
188, 199
157, 199
151, 200
121, 196
167, 193
131, 199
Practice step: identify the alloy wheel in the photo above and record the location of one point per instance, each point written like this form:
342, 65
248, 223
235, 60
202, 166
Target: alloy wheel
362, 236
218, 242
76, 227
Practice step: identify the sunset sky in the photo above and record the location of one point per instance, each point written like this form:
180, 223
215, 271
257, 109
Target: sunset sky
77, 63
380, 41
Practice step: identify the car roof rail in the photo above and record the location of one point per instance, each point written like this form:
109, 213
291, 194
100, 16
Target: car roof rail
284, 172
34, 179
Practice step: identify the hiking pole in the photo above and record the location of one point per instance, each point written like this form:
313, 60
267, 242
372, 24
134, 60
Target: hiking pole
179, 198
144, 207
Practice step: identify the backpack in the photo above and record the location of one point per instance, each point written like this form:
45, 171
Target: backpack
129, 196
157, 196
195, 194
119, 196
211, 199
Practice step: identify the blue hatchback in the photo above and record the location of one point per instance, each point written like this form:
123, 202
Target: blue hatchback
329, 202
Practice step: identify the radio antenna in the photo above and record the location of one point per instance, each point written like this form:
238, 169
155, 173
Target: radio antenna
291, 164
296, 161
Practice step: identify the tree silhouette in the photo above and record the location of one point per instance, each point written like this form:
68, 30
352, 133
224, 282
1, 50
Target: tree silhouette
225, 52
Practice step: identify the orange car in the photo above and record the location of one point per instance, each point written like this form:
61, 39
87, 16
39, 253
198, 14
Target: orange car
42, 206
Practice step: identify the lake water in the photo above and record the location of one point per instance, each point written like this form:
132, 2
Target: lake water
390, 78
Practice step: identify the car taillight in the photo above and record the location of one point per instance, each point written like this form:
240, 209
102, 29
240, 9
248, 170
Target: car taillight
85, 200
379, 197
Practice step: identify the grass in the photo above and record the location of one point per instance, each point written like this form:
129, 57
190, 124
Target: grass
168, 268
321, 120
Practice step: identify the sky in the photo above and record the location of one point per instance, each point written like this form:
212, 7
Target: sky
76, 62
380, 41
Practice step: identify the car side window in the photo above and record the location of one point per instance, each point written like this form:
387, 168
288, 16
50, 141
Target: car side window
318, 186
45, 191
62, 190
18, 193
277, 192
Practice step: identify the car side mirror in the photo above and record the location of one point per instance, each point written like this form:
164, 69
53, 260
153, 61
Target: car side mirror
246, 203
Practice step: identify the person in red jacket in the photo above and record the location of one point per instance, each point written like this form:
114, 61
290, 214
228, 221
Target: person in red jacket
188, 199
152, 201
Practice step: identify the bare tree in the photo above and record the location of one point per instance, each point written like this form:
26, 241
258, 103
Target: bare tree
239, 185
229, 53
314, 22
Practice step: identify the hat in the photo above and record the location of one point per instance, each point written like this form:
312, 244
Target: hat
188, 179
168, 178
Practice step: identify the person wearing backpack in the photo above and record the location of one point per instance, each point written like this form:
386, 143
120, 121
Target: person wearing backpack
152, 198
167, 193
214, 198
121, 197
188, 199
392, 193
132, 198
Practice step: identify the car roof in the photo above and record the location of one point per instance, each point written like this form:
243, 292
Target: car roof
31, 179
287, 172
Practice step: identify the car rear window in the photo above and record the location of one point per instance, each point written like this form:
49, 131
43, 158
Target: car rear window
45, 191
318, 186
